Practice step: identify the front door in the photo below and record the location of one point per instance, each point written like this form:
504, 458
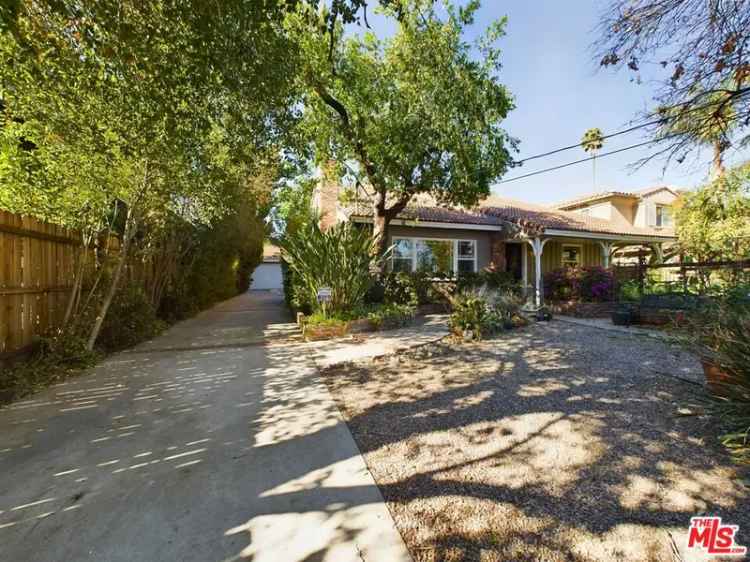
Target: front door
514, 261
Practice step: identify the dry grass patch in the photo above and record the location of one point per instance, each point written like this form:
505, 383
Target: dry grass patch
552, 443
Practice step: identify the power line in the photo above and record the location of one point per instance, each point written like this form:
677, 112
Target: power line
628, 130
553, 168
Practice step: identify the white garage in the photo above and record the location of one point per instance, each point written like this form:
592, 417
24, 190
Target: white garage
268, 274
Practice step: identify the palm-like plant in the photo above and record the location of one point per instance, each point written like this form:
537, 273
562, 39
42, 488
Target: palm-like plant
341, 258
592, 142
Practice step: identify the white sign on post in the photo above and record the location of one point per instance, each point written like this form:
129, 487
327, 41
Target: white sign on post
324, 295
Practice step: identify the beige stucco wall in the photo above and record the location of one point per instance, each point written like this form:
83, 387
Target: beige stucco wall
623, 211
663, 197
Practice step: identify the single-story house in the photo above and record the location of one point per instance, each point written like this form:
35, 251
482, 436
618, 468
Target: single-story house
524, 239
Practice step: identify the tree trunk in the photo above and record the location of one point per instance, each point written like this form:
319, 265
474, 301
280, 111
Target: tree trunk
717, 166
77, 284
124, 248
380, 233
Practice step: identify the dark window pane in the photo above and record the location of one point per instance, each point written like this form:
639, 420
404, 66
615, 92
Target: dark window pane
466, 266
400, 264
466, 249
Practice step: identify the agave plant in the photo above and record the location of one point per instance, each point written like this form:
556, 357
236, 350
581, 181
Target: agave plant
341, 258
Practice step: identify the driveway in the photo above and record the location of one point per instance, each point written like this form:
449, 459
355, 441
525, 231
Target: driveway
215, 441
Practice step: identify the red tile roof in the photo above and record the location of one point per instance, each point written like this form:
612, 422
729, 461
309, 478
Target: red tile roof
591, 197
546, 217
500, 211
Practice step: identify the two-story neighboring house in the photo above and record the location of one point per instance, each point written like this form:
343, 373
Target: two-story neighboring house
646, 208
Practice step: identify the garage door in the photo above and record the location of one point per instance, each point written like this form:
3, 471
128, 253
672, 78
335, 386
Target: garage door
267, 276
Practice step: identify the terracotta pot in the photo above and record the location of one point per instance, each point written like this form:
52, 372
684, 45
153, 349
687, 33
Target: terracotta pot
717, 379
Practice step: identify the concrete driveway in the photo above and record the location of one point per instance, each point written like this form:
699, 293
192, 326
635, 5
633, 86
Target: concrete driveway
213, 442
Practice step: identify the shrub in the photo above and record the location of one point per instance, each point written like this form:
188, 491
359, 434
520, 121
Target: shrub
594, 283
558, 284
54, 358
721, 335
380, 316
391, 316
588, 283
341, 258
131, 320
484, 311
491, 279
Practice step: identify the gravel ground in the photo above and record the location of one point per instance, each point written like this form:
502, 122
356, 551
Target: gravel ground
556, 442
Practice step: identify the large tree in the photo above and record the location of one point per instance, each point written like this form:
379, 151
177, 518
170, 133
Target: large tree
418, 112
128, 113
702, 49
713, 222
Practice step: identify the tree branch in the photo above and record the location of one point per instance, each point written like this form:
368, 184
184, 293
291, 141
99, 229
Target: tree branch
349, 132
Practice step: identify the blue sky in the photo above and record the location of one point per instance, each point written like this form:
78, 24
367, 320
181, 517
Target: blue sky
560, 92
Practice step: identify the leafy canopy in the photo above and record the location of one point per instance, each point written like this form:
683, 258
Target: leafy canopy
701, 48
416, 112
714, 222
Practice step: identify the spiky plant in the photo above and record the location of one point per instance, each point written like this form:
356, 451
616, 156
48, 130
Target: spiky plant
723, 338
340, 258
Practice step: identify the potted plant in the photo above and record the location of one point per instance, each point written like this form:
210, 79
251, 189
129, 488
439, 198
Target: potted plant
721, 337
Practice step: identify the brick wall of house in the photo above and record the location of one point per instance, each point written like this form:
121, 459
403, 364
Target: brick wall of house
326, 196
497, 252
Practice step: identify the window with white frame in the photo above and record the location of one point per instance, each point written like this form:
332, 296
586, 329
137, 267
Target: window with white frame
434, 255
466, 256
571, 255
663, 215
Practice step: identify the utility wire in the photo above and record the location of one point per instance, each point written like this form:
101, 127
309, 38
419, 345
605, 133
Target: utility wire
545, 170
662, 120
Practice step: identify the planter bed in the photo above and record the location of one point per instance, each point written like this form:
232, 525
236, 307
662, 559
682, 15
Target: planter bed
334, 328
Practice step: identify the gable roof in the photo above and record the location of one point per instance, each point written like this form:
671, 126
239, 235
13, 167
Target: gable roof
597, 196
542, 217
509, 213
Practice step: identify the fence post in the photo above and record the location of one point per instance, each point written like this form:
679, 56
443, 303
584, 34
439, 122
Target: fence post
683, 273
641, 271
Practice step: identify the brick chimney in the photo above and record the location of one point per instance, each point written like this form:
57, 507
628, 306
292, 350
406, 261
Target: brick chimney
497, 252
326, 196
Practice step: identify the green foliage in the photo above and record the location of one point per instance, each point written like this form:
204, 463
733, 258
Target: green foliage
55, 357
721, 336
132, 319
380, 316
478, 313
391, 316
491, 279
418, 112
592, 140
111, 131
340, 258
416, 288
714, 222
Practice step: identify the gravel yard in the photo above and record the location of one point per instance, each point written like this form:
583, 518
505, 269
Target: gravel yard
556, 442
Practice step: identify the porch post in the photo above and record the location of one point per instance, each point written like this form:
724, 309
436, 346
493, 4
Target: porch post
537, 245
606, 252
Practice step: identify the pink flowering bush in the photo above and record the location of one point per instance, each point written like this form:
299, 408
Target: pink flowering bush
588, 283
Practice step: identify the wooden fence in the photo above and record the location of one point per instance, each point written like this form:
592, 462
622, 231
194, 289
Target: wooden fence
37, 264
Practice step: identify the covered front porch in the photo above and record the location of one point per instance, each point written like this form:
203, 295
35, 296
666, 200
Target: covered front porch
530, 257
